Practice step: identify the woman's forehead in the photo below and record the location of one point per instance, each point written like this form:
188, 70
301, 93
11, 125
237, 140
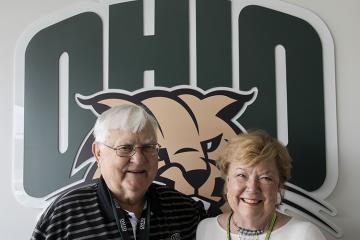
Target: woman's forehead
263, 166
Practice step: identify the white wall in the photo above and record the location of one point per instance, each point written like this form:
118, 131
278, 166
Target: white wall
342, 19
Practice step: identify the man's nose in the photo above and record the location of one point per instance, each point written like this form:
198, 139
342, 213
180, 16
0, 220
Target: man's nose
138, 155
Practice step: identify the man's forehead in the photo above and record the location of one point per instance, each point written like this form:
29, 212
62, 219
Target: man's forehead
146, 135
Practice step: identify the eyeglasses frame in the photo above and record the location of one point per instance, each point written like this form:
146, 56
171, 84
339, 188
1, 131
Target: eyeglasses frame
133, 151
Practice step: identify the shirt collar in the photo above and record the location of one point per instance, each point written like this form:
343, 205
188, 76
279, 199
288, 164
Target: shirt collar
105, 203
104, 199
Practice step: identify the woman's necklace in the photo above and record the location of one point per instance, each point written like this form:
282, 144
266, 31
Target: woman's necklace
247, 234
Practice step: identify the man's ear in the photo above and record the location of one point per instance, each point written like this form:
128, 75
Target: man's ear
96, 151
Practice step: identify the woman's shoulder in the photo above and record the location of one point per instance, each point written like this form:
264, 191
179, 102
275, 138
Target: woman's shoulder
209, 228
298, 223
298, 227
211, 221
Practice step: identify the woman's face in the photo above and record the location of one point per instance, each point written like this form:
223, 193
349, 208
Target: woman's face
252, 191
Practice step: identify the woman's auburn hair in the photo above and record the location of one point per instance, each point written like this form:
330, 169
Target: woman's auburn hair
252, 148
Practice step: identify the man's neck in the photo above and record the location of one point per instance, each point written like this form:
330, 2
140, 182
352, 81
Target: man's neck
135, 207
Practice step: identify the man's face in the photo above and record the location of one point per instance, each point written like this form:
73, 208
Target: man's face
128, 177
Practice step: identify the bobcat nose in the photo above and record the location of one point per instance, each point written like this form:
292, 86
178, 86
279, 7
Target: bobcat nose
197, 177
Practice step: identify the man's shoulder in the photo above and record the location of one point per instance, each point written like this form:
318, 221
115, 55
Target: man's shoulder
168, 196
79, 192
72, 197
163, 192
172, 205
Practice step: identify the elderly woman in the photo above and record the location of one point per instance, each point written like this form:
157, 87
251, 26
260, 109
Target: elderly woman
255, 167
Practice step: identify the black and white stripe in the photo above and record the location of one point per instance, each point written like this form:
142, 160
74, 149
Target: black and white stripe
85, 213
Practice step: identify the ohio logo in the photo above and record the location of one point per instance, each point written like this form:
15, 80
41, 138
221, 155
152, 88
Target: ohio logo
206, 70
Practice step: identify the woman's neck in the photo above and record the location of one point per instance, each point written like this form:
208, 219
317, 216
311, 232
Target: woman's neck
250, 223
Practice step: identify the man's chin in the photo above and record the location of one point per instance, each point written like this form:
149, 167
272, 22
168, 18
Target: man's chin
138, 186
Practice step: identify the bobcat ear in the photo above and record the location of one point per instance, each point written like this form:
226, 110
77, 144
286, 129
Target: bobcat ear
225, 104
102, 102
114, 102
240, 102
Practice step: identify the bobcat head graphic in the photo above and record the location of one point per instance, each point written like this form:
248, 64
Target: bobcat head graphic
193, 128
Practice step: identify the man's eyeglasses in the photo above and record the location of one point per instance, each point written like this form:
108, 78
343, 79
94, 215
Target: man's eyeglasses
129, 150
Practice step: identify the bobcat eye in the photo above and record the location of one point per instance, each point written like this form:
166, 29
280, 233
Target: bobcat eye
211, 144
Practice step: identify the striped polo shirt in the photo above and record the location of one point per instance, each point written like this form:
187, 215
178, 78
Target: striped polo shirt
86, 213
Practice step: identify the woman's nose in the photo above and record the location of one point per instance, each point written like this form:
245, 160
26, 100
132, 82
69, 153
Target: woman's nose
252, 184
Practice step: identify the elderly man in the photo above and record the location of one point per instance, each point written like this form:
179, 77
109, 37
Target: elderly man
124, 204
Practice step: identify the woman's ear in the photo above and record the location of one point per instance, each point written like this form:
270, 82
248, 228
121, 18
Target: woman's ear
225, 190
280, 194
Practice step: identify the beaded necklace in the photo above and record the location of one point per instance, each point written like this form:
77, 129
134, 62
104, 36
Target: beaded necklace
251, 234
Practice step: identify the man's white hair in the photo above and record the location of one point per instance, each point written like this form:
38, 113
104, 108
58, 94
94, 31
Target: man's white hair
126, 117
